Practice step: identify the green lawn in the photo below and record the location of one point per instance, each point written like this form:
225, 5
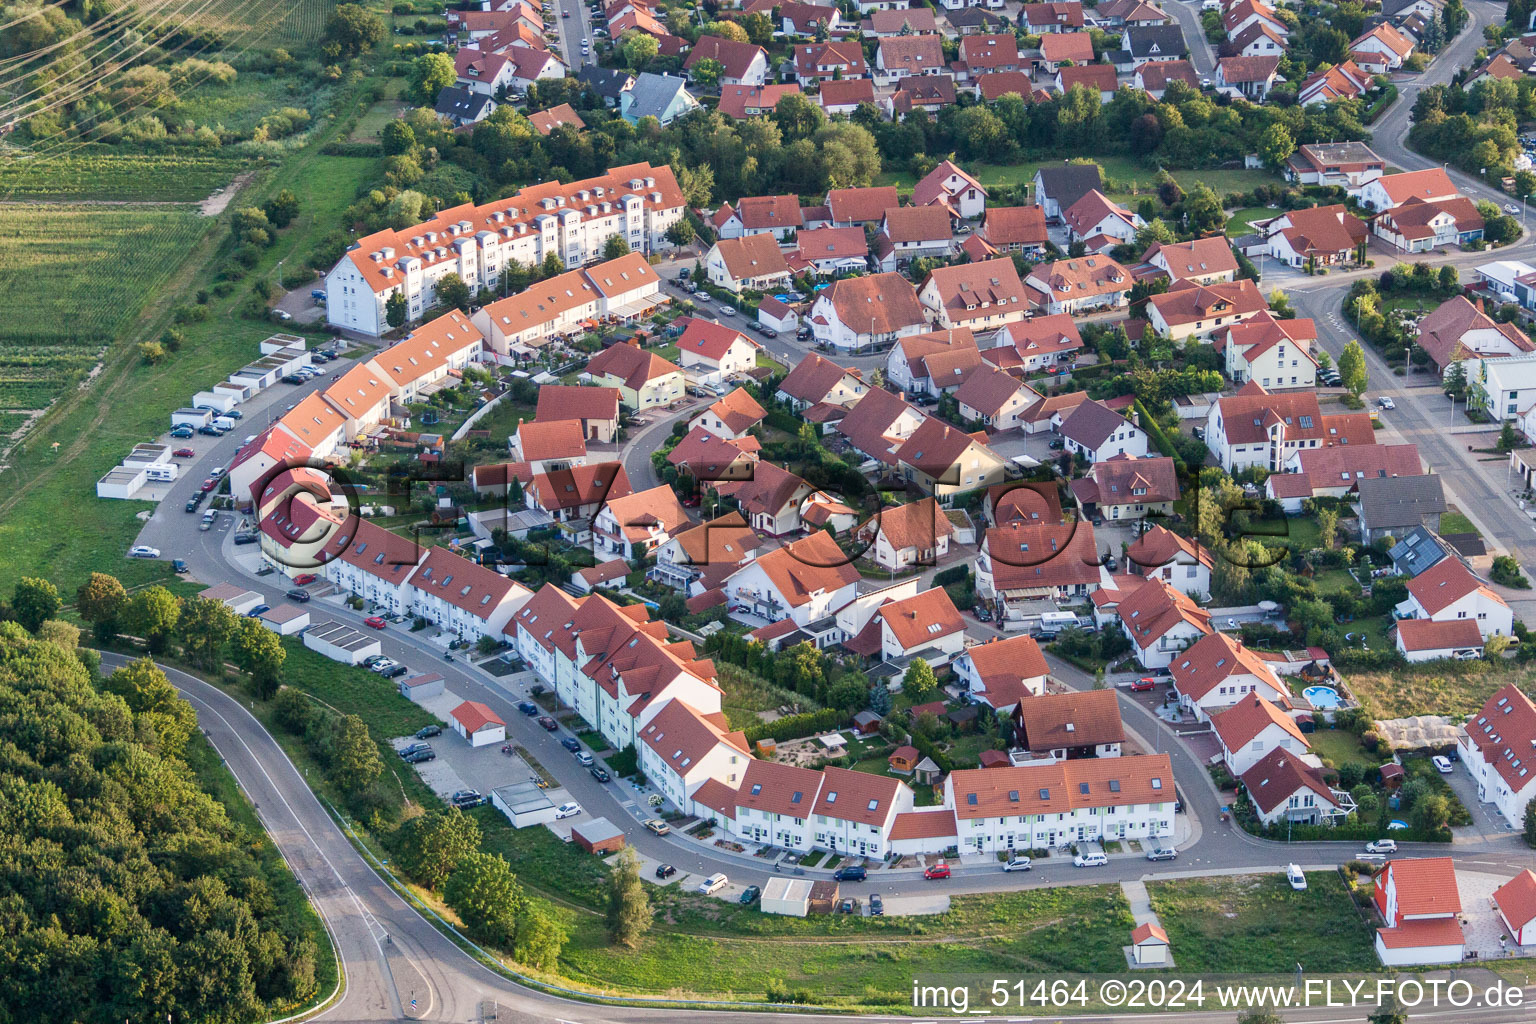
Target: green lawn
1455, 522
1294, 532
1245, 923
1339, 746
1127, 177
1335, 581
1240, 220
764, 359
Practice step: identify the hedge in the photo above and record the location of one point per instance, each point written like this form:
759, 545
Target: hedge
792, 727
1155, 431
927, 747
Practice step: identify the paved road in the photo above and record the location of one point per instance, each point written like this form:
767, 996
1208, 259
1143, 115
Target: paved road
573, 29
1201, 53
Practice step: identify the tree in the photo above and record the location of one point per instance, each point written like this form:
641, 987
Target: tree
1456, 380
397, 138
707, 72
638, 48
152, 614
1327, 527
1352, 368
847, 693
395, 310
259, 651
34, 602
452, 292
353, 29
629, 907
880, 701
486, 895
1508, 439
282, 208
615, 247
682, 232
66, 635
919, 683
154, 702
354, 763
1530, 823
1202, 211
206, 626
430, 74
1276, 144
1390, 1012
759, 28
434, 844
540, 938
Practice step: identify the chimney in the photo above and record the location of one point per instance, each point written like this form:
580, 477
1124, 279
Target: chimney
1135, 418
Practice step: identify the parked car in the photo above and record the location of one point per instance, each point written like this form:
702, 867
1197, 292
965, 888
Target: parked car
1386, 403
750, 895
394, 672
665, 870
548, 723
727, 310
936, 871
1018, 864
298, 594
246, 538
1156, 849
380, 664
570, 743
374, 622
714, 883
1381, 846
848, 905
1090, 859
304, 579
428, 731
208, 484
258, 611
584, 759
567, 810
1143, 684
182, 431
412, 748
193, 502
1293, 874
850, 873
466, 798
658, 826
184, 453
1056, 444
528, 707
599, 774
143, 551
876, 905
178, 566
422, 755
1442, 764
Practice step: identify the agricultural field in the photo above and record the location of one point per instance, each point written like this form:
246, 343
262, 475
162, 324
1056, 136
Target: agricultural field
63, 272
102, 173
285, 23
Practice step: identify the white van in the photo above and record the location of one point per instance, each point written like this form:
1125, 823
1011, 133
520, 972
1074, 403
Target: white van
160, 474
1295, 877
224, 423
713, 884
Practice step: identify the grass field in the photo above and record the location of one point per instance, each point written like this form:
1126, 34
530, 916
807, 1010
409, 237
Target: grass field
68, 290
1127, 177
1455, 522
371, 126
1458, 688
746, 694
92, 173
1257, 922
1240, 220
1340, 746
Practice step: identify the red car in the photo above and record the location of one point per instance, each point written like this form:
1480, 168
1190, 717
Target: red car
304, 579
376, 621
548, 723
1143, 684
184, 453
936, 871
209, 484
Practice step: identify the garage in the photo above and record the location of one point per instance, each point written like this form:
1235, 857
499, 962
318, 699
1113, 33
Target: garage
599, 836
524, 804
478, 724
788, 896
341, 643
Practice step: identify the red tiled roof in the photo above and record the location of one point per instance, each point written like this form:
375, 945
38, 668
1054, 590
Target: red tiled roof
932, 823
1516, 898
1276, 777
1031, 557
1425, 635
561, 439
1212, 660
567, 402
474, 716
1156, 608
1062, 787
1246, 719
856, 796
917, 524
1425, 886
580, 485
1504, 732
1439, 931
922, 619
1445, 583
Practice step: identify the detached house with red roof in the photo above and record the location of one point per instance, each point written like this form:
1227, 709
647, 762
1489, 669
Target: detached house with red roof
1011, 229
804, 581
715, 351
1460, 330
946, 461
742, 63
1040, 342
981, 296
636, 524
1189, 309
1161, 554
1496, 746
546, 447
1075, 286
1202, 260
644, 379
1123, 488
817, 380
857, 313
1161, 622
917, 533
1447, 592
596, 409
994, 398
1257, 428
1420, 225
1421, 904
1387, 42
1095, 431
912, 232
752, 262
770, 498
1218, 671
1276, 353
1346, 81
1100, 223
1021, 563
778, 216
926, 626
1254, 727
1324, 235
821, 62
1058, 48
730, 417
954, 190
1393, 190
1283, 787
901, 56
1001, 673
1515, 901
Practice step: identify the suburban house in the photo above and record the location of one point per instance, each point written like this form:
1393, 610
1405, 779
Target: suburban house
1098, 79
1238, 16
1447, 591
1494, 744
911, 232
797, 19
1420, 640
1252, 728
1154, 78
1070, 726
1094, 431
1276, 353
945, 461
1057, 49
634, 525
715, 352
770, 498
683, 748
1020, 564
1322, 236
829, 251
995, 399
1515, 901
1396, 505
644, 379
1419, 225
740, 63
991, 52
861, 313
917, 533
1057, 187
1218, 671
578, 492
820, 62
1054, 16
1026, 501
906, 366
742, 101
563, 115
1346, 164
1013, 229
549, 446
817, 380
1393, 190
952, 190
1421, 904
1257, 428
1099, 223
1081, 285
1251, 77
926, 625
1041, 342
980, 296
860, 207
522, 324
596, 409
1203, 260
844, 95
1384, 39
1001, 673
1283, 787
1161, 622
1183, 563
750, 262
1154, 42
778, 216
804, 581
663, 97
730, 417
1124, 487
464, 106
710, 458
701, 557
1503, 387
1346, 81
1189, 309
900, 56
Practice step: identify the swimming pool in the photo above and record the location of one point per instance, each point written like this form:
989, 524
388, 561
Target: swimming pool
1324, 698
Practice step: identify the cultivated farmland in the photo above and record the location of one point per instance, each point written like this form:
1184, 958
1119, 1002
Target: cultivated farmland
102, 173
71, 278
